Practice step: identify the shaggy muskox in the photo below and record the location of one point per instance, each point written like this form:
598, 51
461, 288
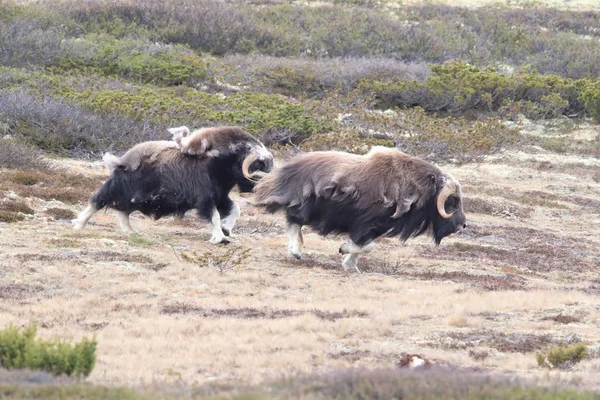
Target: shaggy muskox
383, 193
169, 182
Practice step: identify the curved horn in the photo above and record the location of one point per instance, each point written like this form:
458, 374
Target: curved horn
255, 176
441, 200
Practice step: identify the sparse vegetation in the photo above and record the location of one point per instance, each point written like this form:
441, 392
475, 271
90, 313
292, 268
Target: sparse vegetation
137, 240
224, 260
10, 217
20, 349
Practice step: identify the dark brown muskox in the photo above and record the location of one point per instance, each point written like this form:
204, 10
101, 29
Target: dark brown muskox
383, 193
166, 181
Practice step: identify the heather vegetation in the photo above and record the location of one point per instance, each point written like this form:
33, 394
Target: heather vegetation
81, 78
21, 350
350, 384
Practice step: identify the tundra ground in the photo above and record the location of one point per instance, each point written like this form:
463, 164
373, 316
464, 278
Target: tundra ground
166, 306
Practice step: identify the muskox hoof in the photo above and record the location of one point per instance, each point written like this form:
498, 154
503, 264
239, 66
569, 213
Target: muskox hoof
344, 249
297, 256
217, 240
226, 232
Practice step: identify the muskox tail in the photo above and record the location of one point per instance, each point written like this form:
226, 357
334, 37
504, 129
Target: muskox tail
111, 162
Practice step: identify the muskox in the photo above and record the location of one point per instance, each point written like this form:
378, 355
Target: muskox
169, 182
383, 193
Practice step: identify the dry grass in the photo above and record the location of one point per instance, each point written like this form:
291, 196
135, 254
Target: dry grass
492, 296
62, 186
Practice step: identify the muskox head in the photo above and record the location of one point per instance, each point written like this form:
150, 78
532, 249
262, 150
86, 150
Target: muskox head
228, 146
449, 216
257, 162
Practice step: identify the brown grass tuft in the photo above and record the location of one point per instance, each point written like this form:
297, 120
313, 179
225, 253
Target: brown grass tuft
562, 318
60, 213
253, 313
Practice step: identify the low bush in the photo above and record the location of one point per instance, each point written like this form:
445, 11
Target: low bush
60, 213
552, 41
414, 131
20, 349
16, 207
459, 87
63, 128
136, 60
562, 357
313, 78
17, 155
10, 216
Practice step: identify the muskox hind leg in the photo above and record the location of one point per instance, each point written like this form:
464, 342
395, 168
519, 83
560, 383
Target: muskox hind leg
295, 239
351, 251
82, 219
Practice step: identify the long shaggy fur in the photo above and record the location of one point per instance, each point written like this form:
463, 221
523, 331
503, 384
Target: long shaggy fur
132, 159
385, 192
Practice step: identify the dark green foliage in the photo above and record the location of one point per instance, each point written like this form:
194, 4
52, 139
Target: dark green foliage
20, 349
136, 60
562, 357
459, 87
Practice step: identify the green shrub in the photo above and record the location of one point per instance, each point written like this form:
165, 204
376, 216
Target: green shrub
562, 357
20, 349
459, 87
136, 60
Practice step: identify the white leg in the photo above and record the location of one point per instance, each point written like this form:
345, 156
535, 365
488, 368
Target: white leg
295, 240
350, 262
84, 217
217, 233
123, 218
351, 251
228, 222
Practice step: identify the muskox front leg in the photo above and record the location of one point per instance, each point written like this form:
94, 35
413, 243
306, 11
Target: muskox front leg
82, 219
295, 239
217, 233
351, 251
229, 212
